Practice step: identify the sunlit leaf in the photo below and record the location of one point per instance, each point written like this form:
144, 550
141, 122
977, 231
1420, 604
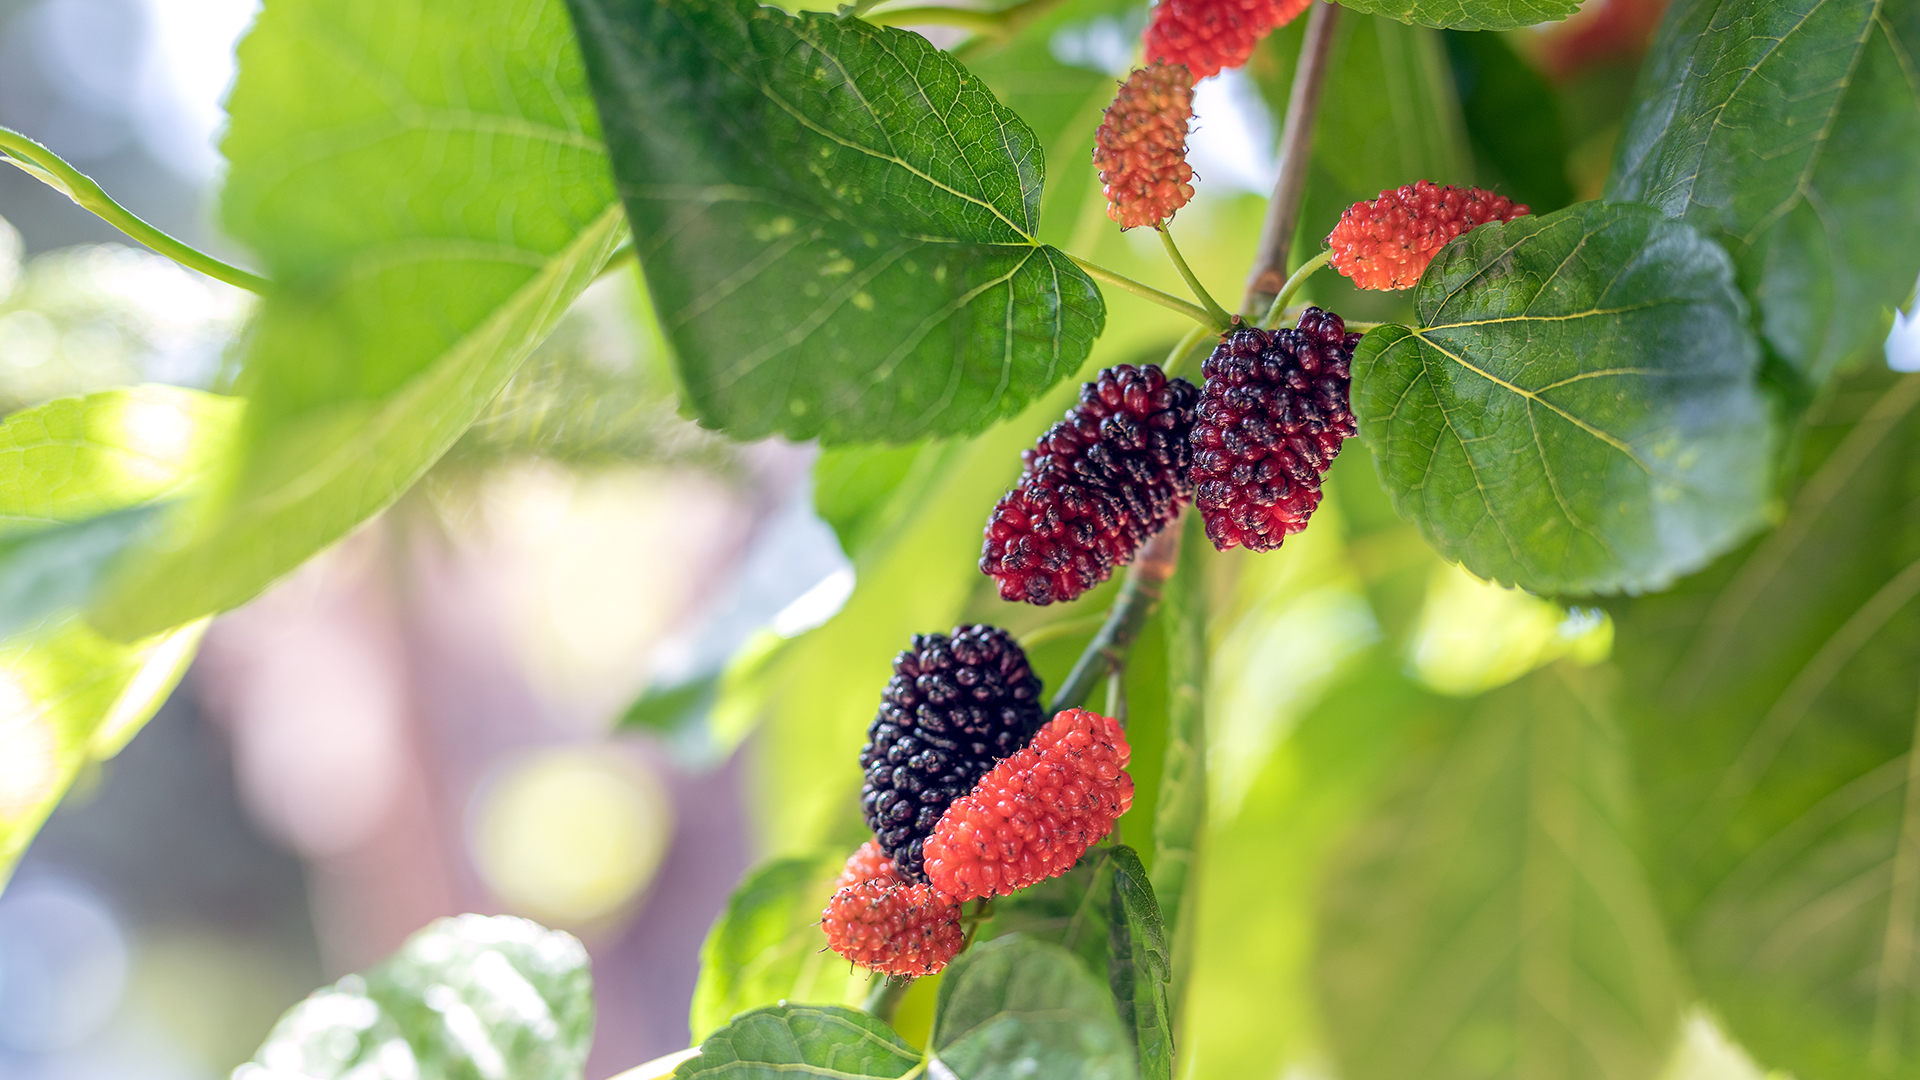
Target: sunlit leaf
1016, 1007
1471, 14
1180, 817
767, 946
1490, 919
1140, 965
1791, 131
1576, 409
781, 1041
836, 220
425, 182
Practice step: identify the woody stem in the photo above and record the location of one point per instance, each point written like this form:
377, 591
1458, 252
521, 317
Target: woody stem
1269, 272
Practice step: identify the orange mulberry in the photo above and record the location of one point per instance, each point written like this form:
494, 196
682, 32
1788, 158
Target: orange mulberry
1141, 147
1037, 812
1386, 243
1207, 35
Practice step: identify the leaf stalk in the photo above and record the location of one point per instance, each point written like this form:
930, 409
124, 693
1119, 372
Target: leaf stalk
52, 170
1167, 300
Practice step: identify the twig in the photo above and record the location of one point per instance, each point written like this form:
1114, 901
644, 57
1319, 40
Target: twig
52, 170
1138, 596
1269, 271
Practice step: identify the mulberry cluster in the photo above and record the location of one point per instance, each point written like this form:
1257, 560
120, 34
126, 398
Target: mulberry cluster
1141, 147
880, 922
1387, 243
1207, 35
1095, 487
1037, 812
1272, 415
955, 705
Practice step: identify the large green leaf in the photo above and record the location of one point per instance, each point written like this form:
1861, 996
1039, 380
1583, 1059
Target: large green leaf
1790, 130
1140, 965
425, 182
1576, 411
467, 998
1016, 1007
1470, 14
1181, 814
1775, 738
783, 1040
1490, 919
767, 946
836, 221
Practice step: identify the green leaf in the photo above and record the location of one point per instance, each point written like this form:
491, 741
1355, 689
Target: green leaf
467, 998
836, 221
767, 947
1180, 818
868, 493
1073, 910
1490, 918
1775, 738
1015, 1007
1513, 120
425, 182
1470, 14
69, 697
805, 1040
57, 569
1791, 131
1139, 966
1576, 411
76, 458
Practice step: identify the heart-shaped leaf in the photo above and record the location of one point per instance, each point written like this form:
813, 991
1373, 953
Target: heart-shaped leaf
767, 947
836, 222
1017, 1007
1577, 410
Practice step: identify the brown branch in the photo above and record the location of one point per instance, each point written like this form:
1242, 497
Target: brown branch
1269, 271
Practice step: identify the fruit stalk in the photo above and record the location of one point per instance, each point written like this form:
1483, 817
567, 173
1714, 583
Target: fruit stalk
1269, 272
1139, 595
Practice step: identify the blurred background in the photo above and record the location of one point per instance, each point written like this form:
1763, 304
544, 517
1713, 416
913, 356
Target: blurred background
489, 699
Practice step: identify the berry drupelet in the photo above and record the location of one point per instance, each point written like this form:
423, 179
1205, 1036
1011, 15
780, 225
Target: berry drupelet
1037, 812
1386, 243
1095, 487
1272, 415
888, 925
955, 705
1141, 147
1207, 35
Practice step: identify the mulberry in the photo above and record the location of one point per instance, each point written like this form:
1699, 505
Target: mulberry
885, 924
1095, 487
1207, 35
1141, 147
955, 706
1388, 242
1272, 415
1037, 812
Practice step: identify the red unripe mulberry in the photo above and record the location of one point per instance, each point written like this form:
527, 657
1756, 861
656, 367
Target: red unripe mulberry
882, 923
1272, 415
1207, 35
1037, 812
1387, 243
1141, 147
1096, 486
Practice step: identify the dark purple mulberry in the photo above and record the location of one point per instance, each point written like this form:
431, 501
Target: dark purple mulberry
1096, 486
1272, 415
955, 706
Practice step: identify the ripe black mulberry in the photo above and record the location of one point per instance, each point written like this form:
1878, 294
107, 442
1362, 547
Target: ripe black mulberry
1272, 415
955, 705
1095, 487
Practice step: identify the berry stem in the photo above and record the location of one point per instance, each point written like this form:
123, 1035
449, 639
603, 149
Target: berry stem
1269, 273
1176, 364
1200, 292
1167, 300
50, 169
1139, 594
1299, 278
884, 1001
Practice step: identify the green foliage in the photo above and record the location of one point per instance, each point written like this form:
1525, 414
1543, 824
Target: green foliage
1181, 811
467, 998
1139, 966
836, 220
767, 947
1489, 918
806, 1040
1470, 14
1017, 1007
1775, 735
1791, 132
1576, 411
394, 319
1513, 121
